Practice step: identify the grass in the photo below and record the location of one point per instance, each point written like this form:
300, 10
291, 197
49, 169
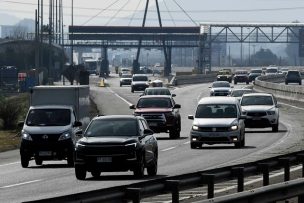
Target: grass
9, 140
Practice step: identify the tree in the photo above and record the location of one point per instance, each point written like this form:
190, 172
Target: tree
264, 57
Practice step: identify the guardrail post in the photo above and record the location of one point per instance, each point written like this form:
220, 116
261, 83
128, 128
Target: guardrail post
209, 180
239, 173
134, 194
264, 167
173, 186
286, 165
301, 159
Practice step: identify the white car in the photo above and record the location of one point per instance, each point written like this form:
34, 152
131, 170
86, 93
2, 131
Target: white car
139, 82
261, 110
220, 88
217, 120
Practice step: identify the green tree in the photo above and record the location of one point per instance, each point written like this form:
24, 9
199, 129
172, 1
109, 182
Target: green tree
264, 57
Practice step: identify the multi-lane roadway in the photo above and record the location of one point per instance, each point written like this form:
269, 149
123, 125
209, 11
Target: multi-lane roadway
175, 156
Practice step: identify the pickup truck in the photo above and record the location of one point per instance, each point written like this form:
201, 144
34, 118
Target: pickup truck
161, 113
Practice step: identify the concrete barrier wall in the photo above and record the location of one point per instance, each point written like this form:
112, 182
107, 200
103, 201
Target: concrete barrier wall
192, 79
270, 84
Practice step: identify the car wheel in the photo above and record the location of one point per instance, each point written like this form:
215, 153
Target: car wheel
132, 89
238, 144
174, 134
152, 170
70, 160
120, 84
300, 83
24, 161
95, 173
80, 172
247, 82
38, 161
275, 127
243, 141
286, 83
139, 170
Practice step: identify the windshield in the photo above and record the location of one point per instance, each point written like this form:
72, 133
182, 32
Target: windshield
239, 93
271, 70
216, 111
157, 92
49, 117
126, 76
223, 73
103, 128
140, 78
154, 103
221, 84
256, 100
256, 71
293, 73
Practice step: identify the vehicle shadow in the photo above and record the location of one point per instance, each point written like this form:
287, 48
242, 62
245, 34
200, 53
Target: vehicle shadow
265, 131
50, 166
206, 147
122, 177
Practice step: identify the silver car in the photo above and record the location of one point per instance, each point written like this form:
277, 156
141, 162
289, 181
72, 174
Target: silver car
217, 120
220, 88
261, 110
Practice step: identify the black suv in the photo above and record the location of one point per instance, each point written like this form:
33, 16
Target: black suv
293, 76
116, 143
161, 112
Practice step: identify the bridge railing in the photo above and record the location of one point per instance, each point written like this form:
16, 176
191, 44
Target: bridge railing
174, 184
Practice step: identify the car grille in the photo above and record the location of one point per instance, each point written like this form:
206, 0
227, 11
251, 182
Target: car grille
107, 150
49, 138
214, 129
214, 139
221, 93
256, 114
155, 117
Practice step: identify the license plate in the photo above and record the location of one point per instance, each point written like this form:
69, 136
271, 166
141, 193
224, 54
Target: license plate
256, 118
153, 124
45, 153
104, 159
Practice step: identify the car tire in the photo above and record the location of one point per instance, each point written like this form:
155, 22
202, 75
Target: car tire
243, 141
286, 83
132, 89
235, 82
247, 82
174, 134
152, 170
80, 172
70, 160
275, 127
139, 170
24, 161
300, 83
38, 161
120, 84
95, 173
238, 144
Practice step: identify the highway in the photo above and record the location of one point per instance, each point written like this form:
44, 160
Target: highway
175, 156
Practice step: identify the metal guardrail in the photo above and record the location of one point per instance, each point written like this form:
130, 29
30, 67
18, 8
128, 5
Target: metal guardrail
174, 184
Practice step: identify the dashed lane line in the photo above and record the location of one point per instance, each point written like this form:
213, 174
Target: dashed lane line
19, 184
170, 148
126, 101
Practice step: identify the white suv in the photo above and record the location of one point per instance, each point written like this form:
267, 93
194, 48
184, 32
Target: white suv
261, 110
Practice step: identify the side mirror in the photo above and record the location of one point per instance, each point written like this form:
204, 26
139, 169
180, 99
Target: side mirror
77, 124
191, 117
278, 105
20, 124
232, 86
148, 132
132, 106
173, 95
78, 133
177, 106
210, 87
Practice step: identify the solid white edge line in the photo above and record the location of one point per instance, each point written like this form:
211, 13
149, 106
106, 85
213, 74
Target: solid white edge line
10, 164
168, 149
19, 184
291, 105
126, 101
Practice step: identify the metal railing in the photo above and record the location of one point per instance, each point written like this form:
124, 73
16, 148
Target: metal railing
174, 184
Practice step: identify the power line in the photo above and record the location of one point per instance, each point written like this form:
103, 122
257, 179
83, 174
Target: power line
169, 13
117, 12
134, 13
185, 12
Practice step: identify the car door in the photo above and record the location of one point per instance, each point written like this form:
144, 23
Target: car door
148, 142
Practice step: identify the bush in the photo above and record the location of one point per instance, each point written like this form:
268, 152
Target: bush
11, 109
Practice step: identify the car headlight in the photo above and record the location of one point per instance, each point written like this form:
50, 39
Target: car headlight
271, 112
131, 144
26, 136
234, 127
218, 76
195, 127
64, 136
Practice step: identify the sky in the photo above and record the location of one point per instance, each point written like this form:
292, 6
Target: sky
173, 12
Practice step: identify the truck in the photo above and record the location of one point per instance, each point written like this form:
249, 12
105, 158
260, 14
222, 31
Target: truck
57, 114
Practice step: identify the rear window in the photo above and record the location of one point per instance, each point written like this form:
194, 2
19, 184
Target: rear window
154, 103
296, 73
221, 84
157, 92
216, 111
140, 78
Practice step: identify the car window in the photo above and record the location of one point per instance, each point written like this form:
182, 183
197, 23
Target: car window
156, 91
239, 93
220, 84
256, 71
154, 103
256, 100
49, 117
140, 78
110, 127
216, 111
293, 73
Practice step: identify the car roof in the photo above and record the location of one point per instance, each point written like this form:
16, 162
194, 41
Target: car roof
220, 82
115, 117
156, 96
258, 94
218, 100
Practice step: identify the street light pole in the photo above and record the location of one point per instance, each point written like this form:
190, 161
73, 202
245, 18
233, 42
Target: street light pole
72, 23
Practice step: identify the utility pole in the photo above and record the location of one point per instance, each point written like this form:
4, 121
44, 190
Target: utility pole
50, 38
72, 23
41, 35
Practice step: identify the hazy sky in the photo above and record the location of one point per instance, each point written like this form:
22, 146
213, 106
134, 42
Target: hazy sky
130, 12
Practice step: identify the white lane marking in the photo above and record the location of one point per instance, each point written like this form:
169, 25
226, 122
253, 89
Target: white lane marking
19, 184
10, 164
129, 103
168, 149
296, 107
187, 142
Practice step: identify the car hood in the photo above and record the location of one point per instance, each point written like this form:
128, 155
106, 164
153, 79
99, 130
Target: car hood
46, 129
107, 140
221, 88
214, 122
255, 108
153, 110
